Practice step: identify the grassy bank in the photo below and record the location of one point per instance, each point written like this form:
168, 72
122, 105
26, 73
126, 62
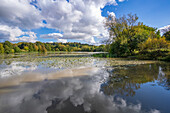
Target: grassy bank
159, 54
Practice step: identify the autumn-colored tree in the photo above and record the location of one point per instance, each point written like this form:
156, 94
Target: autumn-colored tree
44, 50
56, 49
1, 48
126, 33
62, 47
154, 43
85, 48
75, 48
8, 47
12, 51
26, 48
35, 47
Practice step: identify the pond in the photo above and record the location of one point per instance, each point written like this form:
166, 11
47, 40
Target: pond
79, 83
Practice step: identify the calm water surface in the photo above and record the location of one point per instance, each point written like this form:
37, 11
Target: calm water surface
54, 83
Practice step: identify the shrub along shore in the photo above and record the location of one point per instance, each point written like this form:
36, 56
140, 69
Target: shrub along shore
162, 55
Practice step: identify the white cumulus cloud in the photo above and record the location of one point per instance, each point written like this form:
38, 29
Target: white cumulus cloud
15, 34
121, 0
77, 19
62, 40
164, 29
20, 13
57, 36
52, 35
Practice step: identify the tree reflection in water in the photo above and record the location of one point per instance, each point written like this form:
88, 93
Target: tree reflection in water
126, 80
164, 77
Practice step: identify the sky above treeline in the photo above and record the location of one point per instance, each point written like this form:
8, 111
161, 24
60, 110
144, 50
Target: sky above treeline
73, 20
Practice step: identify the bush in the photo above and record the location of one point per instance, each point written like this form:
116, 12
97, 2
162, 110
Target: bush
154, 43
17, 49
154, 54
57, 49
119, 49
7, 49
167, 58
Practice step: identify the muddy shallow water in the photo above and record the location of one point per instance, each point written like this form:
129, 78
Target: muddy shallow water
52, 84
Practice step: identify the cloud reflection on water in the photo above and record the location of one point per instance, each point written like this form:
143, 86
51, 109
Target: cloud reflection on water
76, 94
16, 68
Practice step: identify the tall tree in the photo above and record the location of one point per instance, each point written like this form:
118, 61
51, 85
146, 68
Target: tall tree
126, 33
1, 48
122, 29
9, 44
167, 35
35, 47
17, 49
7, 49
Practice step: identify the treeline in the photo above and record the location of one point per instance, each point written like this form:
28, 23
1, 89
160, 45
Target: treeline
128, 37
8, 47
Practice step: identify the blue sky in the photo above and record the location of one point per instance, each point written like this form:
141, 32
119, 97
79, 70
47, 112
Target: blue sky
73, 20
155, 13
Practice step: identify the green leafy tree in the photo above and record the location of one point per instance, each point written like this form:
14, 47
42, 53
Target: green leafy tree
12, 51
38, 43
17, 49
26, 48
122, 29
85, 48
31, 47
39, 48
7, 49
75, 48
62, 47
57, 49
126, 33
167, 35
1, 48
9, 44
48, 47
44, 50
141, 34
